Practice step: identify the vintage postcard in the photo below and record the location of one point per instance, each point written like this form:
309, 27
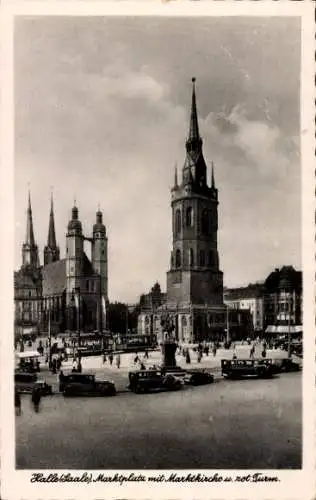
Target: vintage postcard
157, 270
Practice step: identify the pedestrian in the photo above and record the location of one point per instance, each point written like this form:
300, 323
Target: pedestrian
264, 353
118, 360
214, 350
17, 402
252, 352
142, 366
104, 357
199, 356
111, 358
136, 359
36, 398
61, 381
146, 354
79, 367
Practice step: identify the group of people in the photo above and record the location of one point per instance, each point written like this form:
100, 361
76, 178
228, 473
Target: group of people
110, 356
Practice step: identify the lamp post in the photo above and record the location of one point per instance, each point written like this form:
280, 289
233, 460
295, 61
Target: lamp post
289, 327
227, 326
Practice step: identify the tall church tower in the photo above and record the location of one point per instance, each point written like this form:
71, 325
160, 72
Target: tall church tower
194, 276
29, 247
74, 254
100, 253
51, 251
194, 281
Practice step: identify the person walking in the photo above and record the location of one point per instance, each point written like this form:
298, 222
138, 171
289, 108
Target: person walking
104, 357
79, 367
17, 402
252, 352
61, 381
111, 358
118, 360
36, 398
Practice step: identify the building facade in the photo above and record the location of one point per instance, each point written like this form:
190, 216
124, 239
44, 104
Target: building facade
63, 294
283, 301
249, 298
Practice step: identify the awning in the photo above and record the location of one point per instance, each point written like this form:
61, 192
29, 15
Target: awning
28, 354
284, 329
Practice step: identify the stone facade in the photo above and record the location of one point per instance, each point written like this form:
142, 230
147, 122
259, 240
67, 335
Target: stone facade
64, 293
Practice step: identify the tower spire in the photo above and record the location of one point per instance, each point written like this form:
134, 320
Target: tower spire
51, 251
30, 240
51, 240
29, 247
194, 124
213, 179
176, 175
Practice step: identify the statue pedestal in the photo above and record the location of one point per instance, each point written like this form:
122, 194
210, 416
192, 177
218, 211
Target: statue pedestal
169, 354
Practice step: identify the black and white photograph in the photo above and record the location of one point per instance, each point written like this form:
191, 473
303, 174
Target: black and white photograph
159, 268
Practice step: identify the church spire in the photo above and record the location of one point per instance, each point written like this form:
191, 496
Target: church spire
194, 124
29, 247
175, 175
29, 240
51, 251
213, 179
51, 240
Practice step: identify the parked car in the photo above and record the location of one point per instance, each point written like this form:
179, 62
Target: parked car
239, 368
24, 382
198, 377
151, 380
285, 365
83, 384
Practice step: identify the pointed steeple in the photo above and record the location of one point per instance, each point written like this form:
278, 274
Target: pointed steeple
175, 176
213, 179
194, 124
29, 239
51, 251
29, 247
51, 240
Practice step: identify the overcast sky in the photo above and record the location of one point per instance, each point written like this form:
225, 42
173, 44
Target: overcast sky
102, 110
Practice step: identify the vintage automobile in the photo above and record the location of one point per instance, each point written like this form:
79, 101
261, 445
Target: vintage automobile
239, 368
198, 377
152, 380
26, 382
283, 365
85, 384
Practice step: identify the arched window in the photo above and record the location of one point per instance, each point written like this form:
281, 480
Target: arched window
178, 258
205, 222
184, 321
202, 258
191, 257
189, 217
178, 221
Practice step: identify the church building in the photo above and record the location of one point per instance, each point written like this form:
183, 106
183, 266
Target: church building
68, 293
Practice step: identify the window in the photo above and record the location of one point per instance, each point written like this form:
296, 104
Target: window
189, 217
202, 258
205, 222
87, 285
191, 257
178, 221
178, 258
